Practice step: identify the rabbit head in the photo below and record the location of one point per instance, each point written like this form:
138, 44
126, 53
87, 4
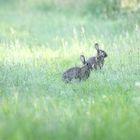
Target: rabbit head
85, 70
100, 53
86, 64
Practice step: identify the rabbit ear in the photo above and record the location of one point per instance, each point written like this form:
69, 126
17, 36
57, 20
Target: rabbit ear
82, 58
97, 46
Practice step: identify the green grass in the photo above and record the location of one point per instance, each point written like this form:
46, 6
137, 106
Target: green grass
37, 47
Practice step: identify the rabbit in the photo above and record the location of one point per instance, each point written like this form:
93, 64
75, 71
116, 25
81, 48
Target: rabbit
98, 60
80, 73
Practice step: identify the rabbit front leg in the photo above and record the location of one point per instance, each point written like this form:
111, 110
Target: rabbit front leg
100, 66
102, 63
94, 66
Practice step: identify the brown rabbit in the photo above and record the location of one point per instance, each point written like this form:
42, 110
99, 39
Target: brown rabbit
98, 60
80, 73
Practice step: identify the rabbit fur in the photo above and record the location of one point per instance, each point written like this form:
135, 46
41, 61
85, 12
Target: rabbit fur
80, 73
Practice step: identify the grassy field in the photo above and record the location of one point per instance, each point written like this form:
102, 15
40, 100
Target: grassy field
37, 46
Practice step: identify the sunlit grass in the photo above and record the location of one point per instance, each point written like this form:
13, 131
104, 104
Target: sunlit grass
34, 101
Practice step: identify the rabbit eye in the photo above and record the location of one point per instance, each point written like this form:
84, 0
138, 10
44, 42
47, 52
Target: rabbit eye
103, 53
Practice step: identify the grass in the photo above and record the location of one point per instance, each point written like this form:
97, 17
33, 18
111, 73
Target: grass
36, 47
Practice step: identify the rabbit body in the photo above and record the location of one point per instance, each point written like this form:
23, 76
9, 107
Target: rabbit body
80, 73
72, 73
98, 60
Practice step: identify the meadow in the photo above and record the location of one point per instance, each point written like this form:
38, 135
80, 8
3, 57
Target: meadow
37, 46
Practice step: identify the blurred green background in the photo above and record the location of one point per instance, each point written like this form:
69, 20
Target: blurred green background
39, 40
84, 6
